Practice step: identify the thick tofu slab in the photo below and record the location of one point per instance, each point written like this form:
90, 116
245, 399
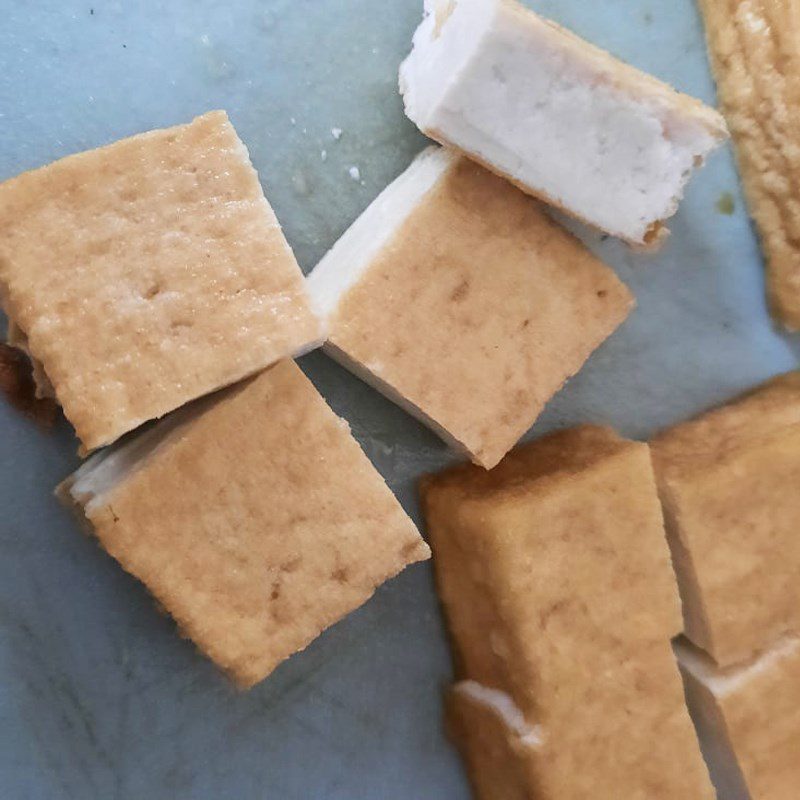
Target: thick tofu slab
756, 61
147, 273
728, 481
254, 518
749, 717
559, 117
556, 581
456, 296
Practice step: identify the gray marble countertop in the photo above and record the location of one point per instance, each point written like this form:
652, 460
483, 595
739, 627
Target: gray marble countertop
99, 699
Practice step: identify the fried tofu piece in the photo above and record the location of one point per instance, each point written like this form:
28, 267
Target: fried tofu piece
749, 717
756, 61
557, 585
728, 481
254, 518
147, 273
556, 115
456, 296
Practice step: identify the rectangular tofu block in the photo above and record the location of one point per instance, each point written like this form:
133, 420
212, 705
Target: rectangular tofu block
147, 273
557, 585
254, 518
748, 717
457, 296
561, 118
728, 481
756, 61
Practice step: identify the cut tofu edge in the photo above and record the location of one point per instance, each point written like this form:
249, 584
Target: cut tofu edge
502, 705
16, 337
352, 254
369, 377
88, 486
712, 731
729, 680
696, 625
608, 130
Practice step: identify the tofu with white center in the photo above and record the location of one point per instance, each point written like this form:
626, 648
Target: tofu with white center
456, 296
561, 118
252, 516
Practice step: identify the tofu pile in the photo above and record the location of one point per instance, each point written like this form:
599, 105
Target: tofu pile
149, 281
152, 275
728, 480
556, 580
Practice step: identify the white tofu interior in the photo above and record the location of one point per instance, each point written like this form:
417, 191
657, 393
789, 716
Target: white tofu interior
504, 707
540, 105
348, 259
726, 681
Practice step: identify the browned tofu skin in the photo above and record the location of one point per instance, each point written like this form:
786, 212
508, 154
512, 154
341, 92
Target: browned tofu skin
557, 585
257, 524
148, 273
478, 310
728, 481
756, 61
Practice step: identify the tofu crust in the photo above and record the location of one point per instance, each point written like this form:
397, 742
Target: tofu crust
256, 523
728, 482
756, 61
147, 273
476, 311
558, 590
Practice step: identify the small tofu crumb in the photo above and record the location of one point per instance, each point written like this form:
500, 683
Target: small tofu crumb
323, 155
336, 133
355, 173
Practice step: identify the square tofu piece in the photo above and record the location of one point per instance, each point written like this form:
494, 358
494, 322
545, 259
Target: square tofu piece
254, 518
456, 296
556, 581
728, 482
561, 118
147, 273
748, 717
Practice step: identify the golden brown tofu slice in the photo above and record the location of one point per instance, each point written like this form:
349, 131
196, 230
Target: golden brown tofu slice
147, 273
254, 518
728, 482
756, 61
460, 299
749, 716
557, 585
